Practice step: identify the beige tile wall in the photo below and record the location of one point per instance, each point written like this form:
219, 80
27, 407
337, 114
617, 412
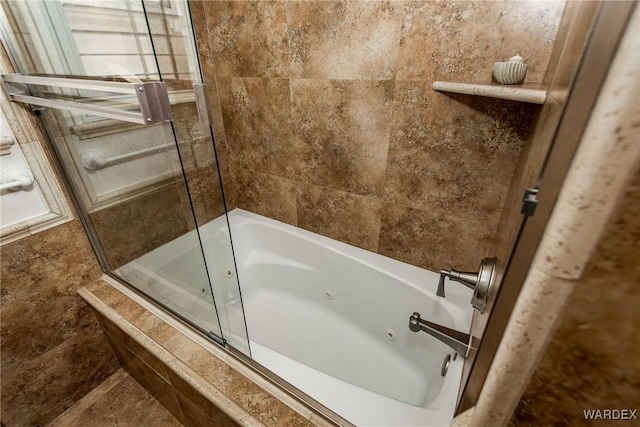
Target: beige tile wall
325, 116
53, 352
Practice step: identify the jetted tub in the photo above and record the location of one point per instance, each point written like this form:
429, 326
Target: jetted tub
329, 318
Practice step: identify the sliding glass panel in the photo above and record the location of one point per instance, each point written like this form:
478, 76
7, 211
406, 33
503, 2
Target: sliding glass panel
173, 41
127, 177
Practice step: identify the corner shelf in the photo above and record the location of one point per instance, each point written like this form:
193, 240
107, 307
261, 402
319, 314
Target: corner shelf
534, 94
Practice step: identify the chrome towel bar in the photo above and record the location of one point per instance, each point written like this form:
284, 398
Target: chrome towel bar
152, 97
94, 159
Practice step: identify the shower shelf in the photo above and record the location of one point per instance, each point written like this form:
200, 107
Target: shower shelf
531, 93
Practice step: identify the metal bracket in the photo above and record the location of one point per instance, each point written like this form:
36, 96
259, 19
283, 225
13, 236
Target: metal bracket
11, 88
221, 341
529, 201
202, 104
154, 102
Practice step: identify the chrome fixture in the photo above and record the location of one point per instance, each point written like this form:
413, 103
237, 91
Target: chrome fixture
93, 159
457, 340
480, 282
445, 365
202, 104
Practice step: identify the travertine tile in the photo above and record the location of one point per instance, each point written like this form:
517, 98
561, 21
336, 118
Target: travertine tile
343, 129
222, 376
290, 418
257, 120
53, 351
582, 368
199, 164
108, 294
201, 31
129, 309
155, 384
155, 328
206, 404
461, 164
195, 416
346, 119
248, 38
618, 251
187, 128
601, 170
181, 346
431, 240
25, 323
121, 343
460, 41
527, 171
561, 273
206, 194
539, 306
36, 391
131, 229
260, 404
266, 195
343, 40
343, 216
40, 276
125, 403
91, 398
199, 379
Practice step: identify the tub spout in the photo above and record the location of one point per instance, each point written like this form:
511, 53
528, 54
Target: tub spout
457, 340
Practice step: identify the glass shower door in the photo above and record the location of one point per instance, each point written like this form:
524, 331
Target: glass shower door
173, 40
144, 187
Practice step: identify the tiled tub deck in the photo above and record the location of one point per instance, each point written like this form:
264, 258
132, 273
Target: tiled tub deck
198, 385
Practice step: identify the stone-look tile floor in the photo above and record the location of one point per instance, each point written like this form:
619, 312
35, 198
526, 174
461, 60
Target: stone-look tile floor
118, 401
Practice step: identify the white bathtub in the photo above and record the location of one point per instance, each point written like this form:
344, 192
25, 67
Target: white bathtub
327, 317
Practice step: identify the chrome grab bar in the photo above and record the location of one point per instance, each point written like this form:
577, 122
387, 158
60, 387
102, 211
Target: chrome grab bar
94, 159
152, 97
459, 341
